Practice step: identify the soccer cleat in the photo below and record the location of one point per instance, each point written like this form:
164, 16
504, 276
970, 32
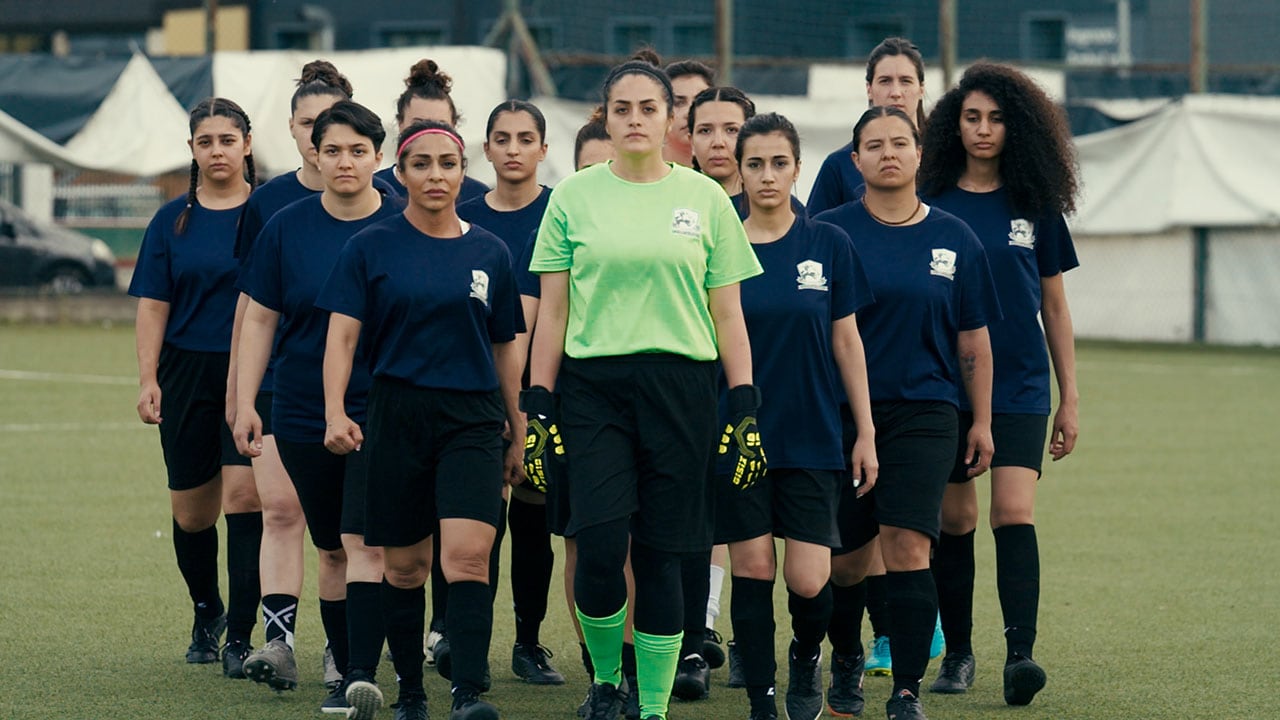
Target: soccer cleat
736, 678
467, 706
233, 657
693, 678
332, 675
411, 707
844, 697
364, 698
711, 650
1023, 678
879, 662
529, 663
274, 665
335, 703
904, 706
428, 646
585, 705
206, 636
956, 674
764, 709
604, 702
804, 686
938, 644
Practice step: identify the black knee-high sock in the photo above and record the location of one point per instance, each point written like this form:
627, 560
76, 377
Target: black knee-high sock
695, 579
531, 563
913, 610
495, 553
197, 554
878, 605
810, 618
470, 624
1018, 583
953, 573
589, 666
333, 616
244, 589
364, 627
402, 611
845, 627
628, 660
439, 586
751, 614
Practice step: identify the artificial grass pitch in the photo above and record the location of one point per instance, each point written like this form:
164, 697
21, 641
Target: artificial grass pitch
1158, 597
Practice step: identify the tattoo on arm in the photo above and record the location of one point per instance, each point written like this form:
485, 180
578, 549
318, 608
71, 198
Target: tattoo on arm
969, 366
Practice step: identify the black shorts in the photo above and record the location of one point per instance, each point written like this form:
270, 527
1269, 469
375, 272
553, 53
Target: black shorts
262, 404
1019, 440
433, 454
194, 435
330, 488
640, 434
557, 500
786, 502
915, 445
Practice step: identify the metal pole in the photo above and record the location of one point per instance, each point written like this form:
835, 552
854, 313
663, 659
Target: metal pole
1124, 32
1200, 298
1199, 46
724, 41
210, 26
947, 41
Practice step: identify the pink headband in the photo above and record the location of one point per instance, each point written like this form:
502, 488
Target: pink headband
429, 131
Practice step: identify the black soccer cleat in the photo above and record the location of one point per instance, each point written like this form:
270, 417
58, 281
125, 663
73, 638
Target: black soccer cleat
530, 663
904, 706
845, 697
206, 636
693, 678
1023, 678
956, 674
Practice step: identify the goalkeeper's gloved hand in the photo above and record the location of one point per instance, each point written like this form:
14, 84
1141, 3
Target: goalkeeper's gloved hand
542, 441
740, 440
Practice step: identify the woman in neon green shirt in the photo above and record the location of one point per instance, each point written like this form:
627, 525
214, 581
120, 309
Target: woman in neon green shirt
640, 263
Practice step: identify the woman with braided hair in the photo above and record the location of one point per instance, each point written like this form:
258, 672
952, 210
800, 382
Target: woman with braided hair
184, 282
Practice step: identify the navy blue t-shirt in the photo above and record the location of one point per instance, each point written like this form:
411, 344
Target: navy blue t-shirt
512, 227
1021, 251
266, 201
931, 281
837, 183
431, 307
470, 189
528, 282
743, 206
194, 272
291, 260
812, 277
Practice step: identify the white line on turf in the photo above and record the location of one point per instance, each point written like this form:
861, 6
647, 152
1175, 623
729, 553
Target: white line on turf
67, 377
72, 426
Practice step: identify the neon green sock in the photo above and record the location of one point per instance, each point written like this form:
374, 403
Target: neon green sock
603, 637
656, 660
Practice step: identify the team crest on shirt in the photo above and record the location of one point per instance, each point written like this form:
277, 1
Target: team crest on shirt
686, 222
810, 277
1022, 233
480, 286
943, 263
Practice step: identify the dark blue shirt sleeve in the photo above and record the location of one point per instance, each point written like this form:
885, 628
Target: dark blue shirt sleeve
151, 275
247, 231
1055, 251
260, 272
507, 316
850, 289
979, 305
345, 292
826, 192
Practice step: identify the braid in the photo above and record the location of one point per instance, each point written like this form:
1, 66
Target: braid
180, 225
251, 170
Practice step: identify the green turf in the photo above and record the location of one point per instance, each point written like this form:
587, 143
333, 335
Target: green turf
1159, 599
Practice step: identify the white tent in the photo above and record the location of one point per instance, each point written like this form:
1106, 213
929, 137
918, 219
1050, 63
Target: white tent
1203, 161
1178, 228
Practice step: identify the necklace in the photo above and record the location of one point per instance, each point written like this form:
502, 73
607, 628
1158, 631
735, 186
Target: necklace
882, 221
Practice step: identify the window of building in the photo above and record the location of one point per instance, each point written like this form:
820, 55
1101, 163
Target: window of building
1044, 38
409, 34
292, 36
866, 32
627, 34
693, 36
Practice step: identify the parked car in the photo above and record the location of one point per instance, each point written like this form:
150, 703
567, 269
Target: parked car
55, 259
